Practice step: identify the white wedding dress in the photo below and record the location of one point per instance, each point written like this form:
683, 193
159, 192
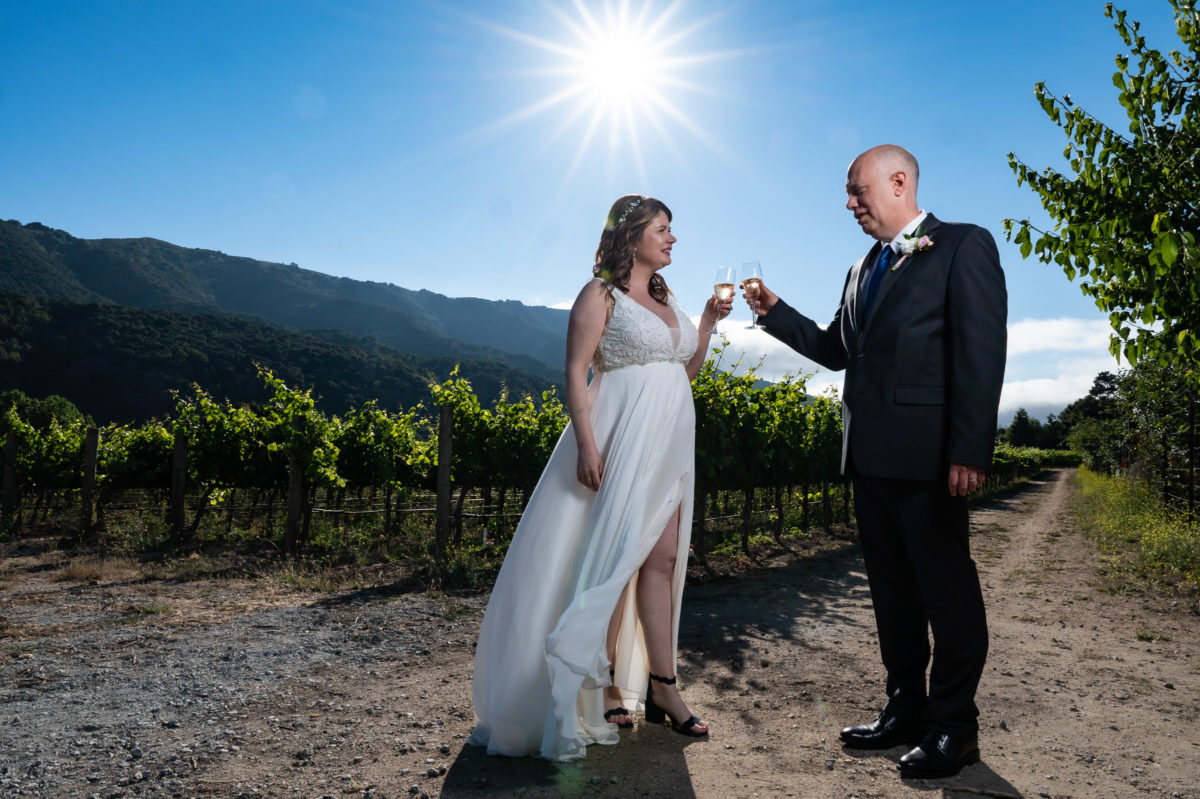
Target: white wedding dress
541, 665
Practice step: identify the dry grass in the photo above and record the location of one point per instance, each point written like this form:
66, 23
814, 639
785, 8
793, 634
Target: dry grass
98, 569
1152, 635
148, 609
315, 575
52, 557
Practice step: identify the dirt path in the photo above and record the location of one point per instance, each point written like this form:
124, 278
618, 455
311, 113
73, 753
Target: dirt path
1086, 694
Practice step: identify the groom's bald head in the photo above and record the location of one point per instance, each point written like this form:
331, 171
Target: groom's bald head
881, 190
887, 159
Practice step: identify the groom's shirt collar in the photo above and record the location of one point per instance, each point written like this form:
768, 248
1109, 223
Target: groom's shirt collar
907, 230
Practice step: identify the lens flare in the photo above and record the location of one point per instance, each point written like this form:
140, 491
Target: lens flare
617, 72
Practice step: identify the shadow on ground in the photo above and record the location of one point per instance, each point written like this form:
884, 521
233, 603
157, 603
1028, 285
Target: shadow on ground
802, 603
978, 779
649, 761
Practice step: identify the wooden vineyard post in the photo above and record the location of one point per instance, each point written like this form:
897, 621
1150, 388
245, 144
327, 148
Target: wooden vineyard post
91, 446
295, 500
8, 489
827, 505
777, 524
445, 452
700, 539
1191, 492
175, 506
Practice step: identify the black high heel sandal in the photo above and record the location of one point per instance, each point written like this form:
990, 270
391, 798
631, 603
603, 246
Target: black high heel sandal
657, 715
618, 710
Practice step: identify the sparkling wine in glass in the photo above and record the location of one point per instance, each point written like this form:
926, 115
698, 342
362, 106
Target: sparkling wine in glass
724, 285
751, 282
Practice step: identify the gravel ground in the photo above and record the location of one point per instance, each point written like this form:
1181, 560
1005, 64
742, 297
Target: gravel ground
128, 696
165, 687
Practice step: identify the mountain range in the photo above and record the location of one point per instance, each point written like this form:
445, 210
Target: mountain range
115, 324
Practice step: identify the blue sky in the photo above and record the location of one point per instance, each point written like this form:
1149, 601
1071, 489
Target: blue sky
420, 143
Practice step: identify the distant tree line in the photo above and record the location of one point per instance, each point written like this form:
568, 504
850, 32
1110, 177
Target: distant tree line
1139, 421
1056, 431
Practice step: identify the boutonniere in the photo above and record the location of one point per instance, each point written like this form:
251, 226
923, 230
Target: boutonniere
914, 243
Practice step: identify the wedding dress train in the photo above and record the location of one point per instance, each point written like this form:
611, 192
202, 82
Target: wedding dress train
541, 665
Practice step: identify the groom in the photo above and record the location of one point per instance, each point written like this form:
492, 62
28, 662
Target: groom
920, 331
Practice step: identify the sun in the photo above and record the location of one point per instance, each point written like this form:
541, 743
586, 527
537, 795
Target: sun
618, 71
621, 64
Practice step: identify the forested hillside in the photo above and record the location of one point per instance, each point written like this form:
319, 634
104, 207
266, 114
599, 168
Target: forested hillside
148, 273
119, 363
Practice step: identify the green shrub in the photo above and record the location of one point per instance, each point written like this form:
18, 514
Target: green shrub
1138, 533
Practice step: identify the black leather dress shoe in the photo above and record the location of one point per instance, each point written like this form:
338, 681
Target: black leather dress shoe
941, 754
885, 732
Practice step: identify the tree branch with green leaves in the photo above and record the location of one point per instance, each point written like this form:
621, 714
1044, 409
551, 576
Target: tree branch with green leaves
1125, 218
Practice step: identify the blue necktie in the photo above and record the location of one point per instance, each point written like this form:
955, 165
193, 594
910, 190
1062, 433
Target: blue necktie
873, 280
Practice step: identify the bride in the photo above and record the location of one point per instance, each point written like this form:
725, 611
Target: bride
584, 616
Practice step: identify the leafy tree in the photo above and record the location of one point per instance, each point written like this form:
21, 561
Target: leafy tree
1155, 423
1099, 443
1125, 223
1100, 403
39, 412
1023, 431
1054, 433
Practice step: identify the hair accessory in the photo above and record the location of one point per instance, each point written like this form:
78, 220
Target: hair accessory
628, 210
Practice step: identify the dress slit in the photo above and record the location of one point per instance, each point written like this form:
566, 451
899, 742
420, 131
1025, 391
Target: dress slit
631, 669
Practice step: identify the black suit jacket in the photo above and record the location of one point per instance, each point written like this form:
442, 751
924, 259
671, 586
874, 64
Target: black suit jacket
923, 376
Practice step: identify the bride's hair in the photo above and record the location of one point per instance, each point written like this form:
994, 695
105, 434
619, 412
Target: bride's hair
627, 218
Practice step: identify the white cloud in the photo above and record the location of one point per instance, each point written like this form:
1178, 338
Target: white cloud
1041, 335
754, 348
1052, 363
1044, 392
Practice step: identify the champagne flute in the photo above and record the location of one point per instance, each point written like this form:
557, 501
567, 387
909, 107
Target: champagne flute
724, 285
751, 282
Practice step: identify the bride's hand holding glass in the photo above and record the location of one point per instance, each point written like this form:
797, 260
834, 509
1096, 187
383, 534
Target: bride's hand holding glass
714, 311
720, 303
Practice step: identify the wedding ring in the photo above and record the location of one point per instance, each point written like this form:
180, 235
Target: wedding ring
972, 480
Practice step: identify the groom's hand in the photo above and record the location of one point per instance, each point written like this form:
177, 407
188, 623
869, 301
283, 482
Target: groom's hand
765, 302
964, 479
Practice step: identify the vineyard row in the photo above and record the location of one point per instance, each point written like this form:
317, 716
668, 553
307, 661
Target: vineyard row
775, 439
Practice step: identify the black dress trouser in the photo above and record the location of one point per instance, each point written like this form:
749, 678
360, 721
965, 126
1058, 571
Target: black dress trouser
915, 545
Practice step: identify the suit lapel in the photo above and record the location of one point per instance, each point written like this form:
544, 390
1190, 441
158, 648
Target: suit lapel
856, 285
897, 271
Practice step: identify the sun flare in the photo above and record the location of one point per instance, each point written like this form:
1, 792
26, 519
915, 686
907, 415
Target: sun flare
620, 65
618, 73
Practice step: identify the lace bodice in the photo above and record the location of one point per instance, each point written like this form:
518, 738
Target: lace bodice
636, 335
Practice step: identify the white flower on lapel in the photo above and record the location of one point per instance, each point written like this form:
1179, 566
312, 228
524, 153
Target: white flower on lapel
914, 243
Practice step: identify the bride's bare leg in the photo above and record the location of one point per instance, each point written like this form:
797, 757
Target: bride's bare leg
612, 697
655, 611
